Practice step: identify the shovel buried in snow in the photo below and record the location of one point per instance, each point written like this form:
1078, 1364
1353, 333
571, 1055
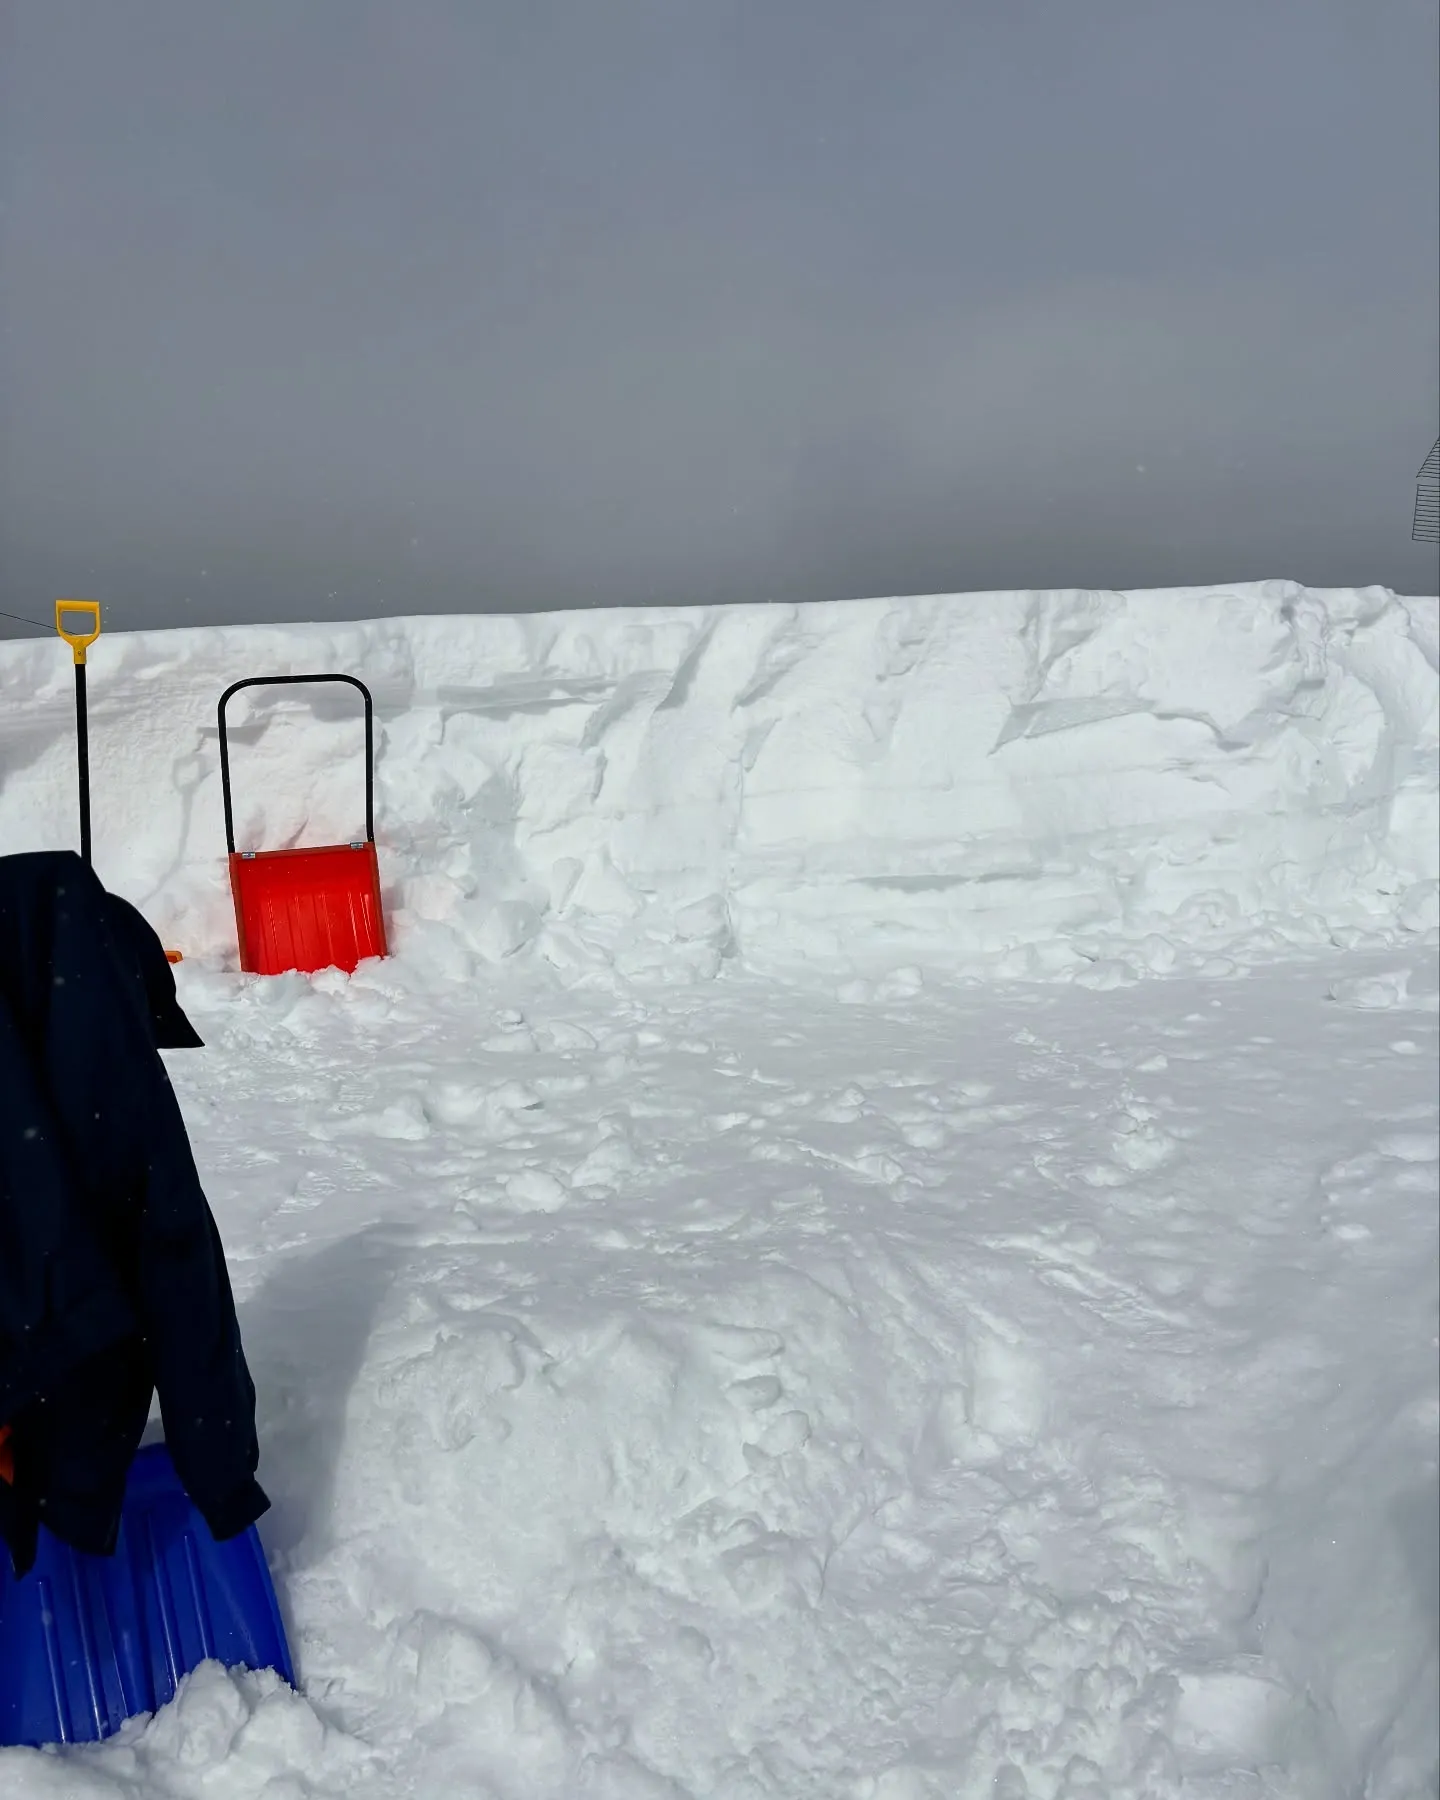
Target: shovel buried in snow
87, 1642
313, 908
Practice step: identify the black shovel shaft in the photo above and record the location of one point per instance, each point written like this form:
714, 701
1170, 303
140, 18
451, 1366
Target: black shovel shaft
82, 747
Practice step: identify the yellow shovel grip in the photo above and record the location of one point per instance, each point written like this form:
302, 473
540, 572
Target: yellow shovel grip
78, 640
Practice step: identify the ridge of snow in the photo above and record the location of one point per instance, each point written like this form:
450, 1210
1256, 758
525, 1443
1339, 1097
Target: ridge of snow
1093, 784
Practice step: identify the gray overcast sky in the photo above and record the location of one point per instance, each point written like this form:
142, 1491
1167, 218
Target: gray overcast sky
332, 308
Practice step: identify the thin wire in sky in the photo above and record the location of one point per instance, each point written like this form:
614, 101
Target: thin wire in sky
20, 619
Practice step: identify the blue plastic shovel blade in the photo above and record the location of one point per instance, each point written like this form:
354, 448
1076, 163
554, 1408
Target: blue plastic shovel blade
86, 1642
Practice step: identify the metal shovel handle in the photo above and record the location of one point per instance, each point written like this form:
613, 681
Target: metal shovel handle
286, 681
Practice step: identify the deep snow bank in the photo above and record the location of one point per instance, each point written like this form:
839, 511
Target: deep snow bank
1098, 782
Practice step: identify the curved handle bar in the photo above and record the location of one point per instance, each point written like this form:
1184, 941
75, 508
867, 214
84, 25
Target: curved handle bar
287, 680
79, 641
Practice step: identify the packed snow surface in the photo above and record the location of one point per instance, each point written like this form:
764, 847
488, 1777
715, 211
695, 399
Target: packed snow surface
875, 1239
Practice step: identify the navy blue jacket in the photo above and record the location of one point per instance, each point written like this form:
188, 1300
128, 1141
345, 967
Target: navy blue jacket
112, 1276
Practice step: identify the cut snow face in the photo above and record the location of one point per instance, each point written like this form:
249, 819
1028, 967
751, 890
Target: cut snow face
888, 1385
1012, 783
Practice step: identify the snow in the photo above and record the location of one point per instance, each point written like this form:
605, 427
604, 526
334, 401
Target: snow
876, 1239
1007, 783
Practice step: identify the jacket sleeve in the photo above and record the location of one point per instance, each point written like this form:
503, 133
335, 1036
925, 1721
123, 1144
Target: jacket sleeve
207, 1399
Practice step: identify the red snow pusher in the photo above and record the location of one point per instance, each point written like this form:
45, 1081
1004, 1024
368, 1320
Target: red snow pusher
305, 909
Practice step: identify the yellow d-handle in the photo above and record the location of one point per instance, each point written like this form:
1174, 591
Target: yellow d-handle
78, 640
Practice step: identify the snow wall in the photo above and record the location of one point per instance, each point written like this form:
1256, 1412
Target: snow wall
1086, 783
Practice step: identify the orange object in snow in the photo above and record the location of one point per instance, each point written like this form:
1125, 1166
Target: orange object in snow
306, 909
174, 956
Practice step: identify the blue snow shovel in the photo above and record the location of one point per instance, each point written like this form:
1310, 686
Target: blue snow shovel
86, 1642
